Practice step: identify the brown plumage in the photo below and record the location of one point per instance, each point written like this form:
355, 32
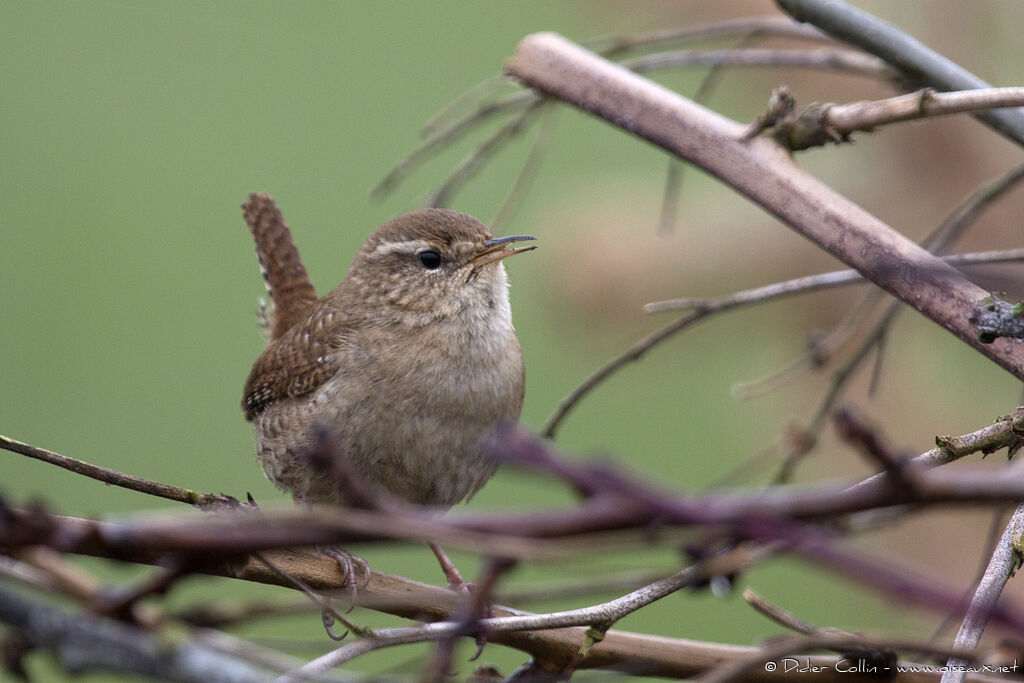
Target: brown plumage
286, 279
407, 362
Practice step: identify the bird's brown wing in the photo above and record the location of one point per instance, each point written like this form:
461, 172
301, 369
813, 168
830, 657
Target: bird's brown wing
296, 363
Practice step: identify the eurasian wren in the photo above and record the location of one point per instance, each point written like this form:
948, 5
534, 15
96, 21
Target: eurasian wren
407, 362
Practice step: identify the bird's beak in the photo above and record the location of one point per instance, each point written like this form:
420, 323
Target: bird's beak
498, 248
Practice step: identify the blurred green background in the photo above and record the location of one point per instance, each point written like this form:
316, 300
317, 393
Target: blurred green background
132, 132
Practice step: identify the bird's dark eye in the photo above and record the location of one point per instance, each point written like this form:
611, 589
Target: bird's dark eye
430, 260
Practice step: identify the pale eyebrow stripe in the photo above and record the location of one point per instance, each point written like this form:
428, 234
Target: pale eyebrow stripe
413, 246
407, 247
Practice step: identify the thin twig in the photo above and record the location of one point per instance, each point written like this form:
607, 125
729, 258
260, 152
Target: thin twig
777, 614
115, 478
704, 307
968, 209
838, 380
670, 197
214, 615
767, 26
1003, 433
869, 442
446, 136
674, 175
951, 227
822, 58
321, 602
1005, 560
605, 613
441, 130
61, 576
823, 123
274, 660
634, 352
527, 173
480, 91
578, 587
820, 350
816, 283
469, 166
847, 118
995, 530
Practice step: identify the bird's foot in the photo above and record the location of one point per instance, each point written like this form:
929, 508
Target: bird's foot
348, 563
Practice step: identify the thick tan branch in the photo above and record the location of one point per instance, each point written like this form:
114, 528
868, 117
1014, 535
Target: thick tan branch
761, 170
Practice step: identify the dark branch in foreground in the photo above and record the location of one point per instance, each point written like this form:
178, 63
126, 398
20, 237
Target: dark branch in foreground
84, 643
777, 519
555, 647
614, 501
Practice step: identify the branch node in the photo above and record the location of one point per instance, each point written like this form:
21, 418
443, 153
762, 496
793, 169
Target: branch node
780, 105
808, 127
994, 317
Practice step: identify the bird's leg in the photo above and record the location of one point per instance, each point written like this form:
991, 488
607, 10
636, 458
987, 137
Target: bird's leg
455, 580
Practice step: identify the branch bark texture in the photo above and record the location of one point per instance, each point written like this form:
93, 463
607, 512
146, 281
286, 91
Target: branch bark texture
762, 171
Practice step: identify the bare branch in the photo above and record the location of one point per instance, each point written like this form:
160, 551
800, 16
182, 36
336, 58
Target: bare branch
471, 164
763, 172
526, 173
847, 118
868, 441
777, 614
815, 283
443, 137
704, 307
86, 643
914, 59
633, 353
572, 587
604, 614
479, 92
818, 124
115, 478
823, 58
951, 227
1005, 560
766, 26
